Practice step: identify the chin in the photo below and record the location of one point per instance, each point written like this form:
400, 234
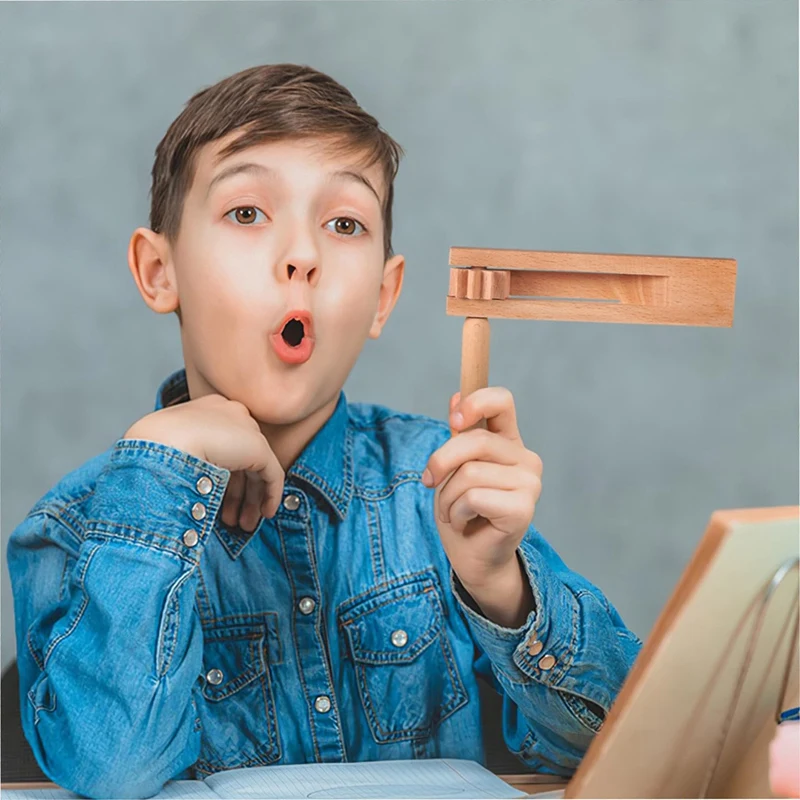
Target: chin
283, 405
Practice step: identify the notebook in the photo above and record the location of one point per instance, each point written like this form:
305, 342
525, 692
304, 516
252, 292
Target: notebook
442, 778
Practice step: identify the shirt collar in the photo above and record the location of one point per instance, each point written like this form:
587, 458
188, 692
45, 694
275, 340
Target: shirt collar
326, 463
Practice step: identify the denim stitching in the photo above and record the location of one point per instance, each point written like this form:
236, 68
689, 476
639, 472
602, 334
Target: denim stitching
62, 581
32, 651
375, 546
459, 697
202, 597
58, 518
318, 626
254, 668
407, 476
81, 610
573, 704
163, 644
269, 705
261, 621
36, 708
125, 447
170, 546
455, 678
385, 603
294, 641
378, 658
402, 580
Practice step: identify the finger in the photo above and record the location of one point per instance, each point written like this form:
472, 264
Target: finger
503, 508
251, 508
474, 445
453, 403
495, 404
483, 474
273, 476
232, 502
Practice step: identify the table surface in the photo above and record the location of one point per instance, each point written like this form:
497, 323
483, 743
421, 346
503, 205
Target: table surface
524, 783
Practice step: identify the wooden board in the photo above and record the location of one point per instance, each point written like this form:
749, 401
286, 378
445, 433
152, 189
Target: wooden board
592, 287
669, 720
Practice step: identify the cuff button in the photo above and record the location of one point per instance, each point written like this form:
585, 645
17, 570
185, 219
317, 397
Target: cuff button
535, 647
547, 662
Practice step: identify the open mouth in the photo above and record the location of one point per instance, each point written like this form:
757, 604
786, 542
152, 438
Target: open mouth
293, 332
293, 342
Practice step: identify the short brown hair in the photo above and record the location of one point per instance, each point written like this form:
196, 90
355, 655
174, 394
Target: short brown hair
272, 102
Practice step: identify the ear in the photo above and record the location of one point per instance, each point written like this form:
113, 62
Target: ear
150, 263
391, 285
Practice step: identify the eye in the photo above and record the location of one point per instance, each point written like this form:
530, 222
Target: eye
246, 215
346, 226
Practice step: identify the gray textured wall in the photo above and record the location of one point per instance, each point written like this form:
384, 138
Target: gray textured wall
640, 127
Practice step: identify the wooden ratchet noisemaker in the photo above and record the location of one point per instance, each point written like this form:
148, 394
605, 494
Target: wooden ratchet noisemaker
580, 287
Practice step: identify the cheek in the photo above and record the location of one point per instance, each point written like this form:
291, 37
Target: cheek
218, 283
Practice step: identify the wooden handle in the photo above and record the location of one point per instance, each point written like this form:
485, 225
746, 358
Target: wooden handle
474, 356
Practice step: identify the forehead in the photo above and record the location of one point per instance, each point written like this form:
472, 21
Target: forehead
313, 156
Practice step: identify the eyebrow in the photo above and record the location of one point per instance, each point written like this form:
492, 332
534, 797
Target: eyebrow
346, 174
252, 168
248, 167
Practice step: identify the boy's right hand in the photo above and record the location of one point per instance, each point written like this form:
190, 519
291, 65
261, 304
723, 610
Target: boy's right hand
224, 433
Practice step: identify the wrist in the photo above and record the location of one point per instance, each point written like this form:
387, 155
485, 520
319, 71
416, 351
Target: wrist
504, 596
149, 433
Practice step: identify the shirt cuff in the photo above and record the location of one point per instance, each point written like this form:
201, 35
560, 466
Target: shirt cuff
159, 496
543, 647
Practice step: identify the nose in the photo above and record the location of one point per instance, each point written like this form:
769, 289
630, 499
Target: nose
300, 261
301, 271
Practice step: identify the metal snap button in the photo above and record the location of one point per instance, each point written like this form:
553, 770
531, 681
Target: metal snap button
291, 502
546, 662
306, 605
199, 511
190, 538
399, 638
323, 704
535, 647
204, 485
214, 676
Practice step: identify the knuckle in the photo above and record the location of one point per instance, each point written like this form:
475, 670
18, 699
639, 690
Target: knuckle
472, 496
471, 471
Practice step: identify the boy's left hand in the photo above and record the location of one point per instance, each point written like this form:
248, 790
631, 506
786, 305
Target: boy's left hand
487, 486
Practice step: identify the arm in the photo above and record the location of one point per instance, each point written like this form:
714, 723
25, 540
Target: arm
109, 645
554, 646
561, 669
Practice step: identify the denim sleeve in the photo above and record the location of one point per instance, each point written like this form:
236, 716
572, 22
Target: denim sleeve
109, 646
561, 670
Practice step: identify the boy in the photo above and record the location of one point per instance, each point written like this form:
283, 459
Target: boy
259, 572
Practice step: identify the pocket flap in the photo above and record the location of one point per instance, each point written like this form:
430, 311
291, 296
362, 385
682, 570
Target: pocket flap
234, 654
394, 625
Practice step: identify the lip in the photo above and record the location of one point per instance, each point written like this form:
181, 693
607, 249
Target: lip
302, 352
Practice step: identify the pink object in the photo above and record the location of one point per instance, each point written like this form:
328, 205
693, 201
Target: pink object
784, 760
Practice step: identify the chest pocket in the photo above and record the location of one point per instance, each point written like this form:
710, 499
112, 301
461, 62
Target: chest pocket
237, 712
407, 677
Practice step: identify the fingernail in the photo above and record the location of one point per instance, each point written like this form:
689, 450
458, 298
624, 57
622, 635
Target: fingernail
427, 478
458, 418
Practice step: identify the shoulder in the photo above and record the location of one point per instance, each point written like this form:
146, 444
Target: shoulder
67, 498
394, 439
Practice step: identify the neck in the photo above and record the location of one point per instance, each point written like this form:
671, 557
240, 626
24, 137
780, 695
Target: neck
288, 441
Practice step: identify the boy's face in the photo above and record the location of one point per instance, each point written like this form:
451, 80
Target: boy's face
278, 231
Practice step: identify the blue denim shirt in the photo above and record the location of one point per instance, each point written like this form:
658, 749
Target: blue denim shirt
156, 643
